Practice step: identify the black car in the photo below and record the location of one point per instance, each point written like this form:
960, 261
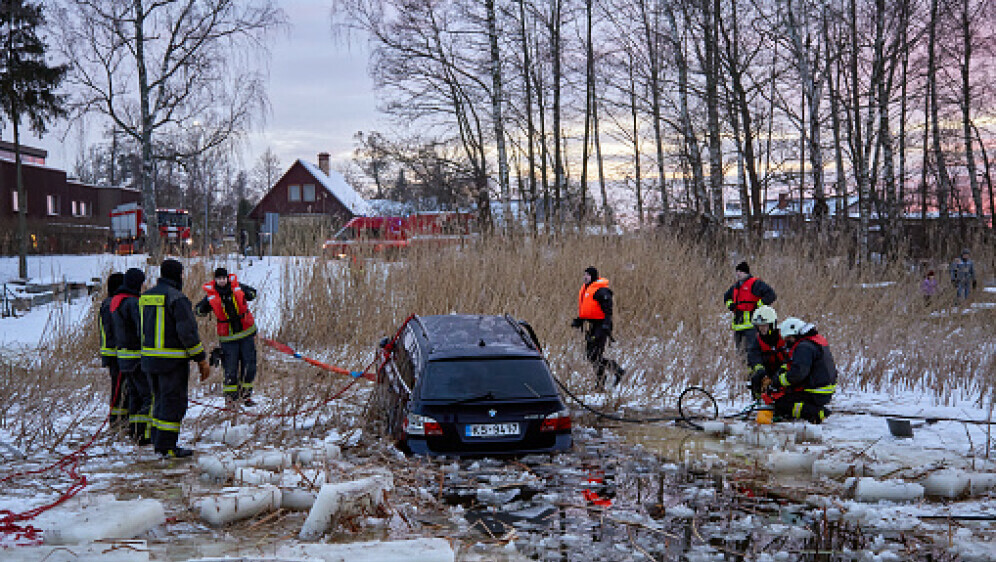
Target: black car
463, 384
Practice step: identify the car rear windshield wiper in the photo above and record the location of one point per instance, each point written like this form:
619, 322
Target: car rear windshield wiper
486, 396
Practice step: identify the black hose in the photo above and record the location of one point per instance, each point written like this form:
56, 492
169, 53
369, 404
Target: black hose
615, 417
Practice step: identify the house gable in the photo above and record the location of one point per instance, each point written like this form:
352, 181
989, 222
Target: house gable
305, 190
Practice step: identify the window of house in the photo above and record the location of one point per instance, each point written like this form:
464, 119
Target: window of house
76, 208
13, 202
86, 209
52, 204
308, 192
293, 192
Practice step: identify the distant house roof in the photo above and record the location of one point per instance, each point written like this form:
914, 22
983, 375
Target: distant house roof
337, 186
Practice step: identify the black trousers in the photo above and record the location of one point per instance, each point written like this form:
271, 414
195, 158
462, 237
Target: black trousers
139, 402
119, 397
169, 387
743, 339
803, 405
595, 340
239, 361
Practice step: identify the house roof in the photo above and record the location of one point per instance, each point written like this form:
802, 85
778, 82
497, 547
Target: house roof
337, 186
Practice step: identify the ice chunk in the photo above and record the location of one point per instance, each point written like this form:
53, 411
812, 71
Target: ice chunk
981, 483
833, 468
784, 461
946, 484
270, 460
416, 550
249, 475
297, 499
343, 499
715, 428
871, 490
104, 520
238, 503
231, 435
218, 467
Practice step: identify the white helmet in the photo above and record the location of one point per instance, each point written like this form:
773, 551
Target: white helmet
794, 327
764, 314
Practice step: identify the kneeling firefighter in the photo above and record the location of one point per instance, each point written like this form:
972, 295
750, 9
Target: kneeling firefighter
768, 353
809, 379
227, 299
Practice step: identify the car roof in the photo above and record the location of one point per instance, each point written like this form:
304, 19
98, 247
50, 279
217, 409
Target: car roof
475, 335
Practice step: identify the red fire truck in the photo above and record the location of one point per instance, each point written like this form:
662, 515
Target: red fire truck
128, 228
391, 236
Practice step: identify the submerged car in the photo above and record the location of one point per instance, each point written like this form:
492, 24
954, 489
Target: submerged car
462, 384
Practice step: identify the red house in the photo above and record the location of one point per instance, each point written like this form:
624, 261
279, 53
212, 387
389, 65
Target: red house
309, 202
63, 214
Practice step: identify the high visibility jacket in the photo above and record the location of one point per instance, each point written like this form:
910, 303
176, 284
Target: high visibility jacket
588, 307
108, 344
744, 297
127, 330
772, 356
811, 366
169, 330
225, 330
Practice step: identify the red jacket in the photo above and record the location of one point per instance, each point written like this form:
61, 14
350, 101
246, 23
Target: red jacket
241, 307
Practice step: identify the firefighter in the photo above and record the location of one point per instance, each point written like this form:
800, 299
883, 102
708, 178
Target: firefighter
809, 379
109, 353
595, 318
768, 353
227, 299
169, 342
128, 330
742, 298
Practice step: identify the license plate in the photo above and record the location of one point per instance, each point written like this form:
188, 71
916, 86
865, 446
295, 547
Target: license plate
492, 429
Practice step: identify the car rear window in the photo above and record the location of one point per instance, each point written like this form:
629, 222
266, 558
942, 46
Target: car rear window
503, 378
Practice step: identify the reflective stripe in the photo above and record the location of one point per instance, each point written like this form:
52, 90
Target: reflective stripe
172, 353
247, 385
829, 389
129, 354
746, 324
783, 378
230, 388
119, 411
729, 303
138, 418
160, 337
797, 410
162, 425
104, 349
244, 333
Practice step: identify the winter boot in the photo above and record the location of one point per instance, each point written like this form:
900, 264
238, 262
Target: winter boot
176, 453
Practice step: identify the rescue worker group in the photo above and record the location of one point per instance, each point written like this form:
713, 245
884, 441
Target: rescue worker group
148, 339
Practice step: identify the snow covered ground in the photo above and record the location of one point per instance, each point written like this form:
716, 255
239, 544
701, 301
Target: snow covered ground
854, 442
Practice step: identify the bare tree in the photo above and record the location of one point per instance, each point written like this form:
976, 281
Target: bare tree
156, 66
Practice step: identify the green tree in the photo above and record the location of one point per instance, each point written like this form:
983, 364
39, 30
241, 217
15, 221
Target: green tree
27, 91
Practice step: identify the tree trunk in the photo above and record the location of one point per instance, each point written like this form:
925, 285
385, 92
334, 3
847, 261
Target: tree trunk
588, 94
153, 245
650, 33
530, 127
558, 166
943, 180
966, 118
711, 9
499, 125
22, 200
636, 142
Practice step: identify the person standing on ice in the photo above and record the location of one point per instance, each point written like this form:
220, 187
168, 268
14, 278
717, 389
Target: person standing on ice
743, 298
236, 332
928, 288
962, 272
169, 342
809, 379
109, 354
128, 330
595, 318
768, 353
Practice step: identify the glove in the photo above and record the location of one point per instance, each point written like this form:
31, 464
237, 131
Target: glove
204, 368
216, 356
577, 323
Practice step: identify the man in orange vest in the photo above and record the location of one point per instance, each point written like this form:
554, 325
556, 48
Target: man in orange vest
227, 299
742, 299
595, 317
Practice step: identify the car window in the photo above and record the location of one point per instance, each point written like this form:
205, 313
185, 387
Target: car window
503, 378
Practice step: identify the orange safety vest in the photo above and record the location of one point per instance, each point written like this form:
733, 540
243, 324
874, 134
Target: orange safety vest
224, 323
744, 299
588, 309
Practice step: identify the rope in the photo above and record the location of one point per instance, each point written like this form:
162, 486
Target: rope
70, 463
614, 417
283, 415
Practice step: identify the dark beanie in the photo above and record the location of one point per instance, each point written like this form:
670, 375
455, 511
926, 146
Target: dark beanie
114, 282
133, 279
221, 272
593, 272
742, 266
172, 270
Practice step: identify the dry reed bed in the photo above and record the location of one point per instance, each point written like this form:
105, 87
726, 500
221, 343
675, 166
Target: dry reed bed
671, 326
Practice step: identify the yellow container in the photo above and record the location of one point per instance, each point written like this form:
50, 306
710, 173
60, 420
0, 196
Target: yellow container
764, 416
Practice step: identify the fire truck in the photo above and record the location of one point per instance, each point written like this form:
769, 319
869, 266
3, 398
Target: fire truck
391, 236
128, 228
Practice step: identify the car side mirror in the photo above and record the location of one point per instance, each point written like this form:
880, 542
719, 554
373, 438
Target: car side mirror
383, 342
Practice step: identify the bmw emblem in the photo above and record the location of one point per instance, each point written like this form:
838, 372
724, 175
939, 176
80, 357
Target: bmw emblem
492, 412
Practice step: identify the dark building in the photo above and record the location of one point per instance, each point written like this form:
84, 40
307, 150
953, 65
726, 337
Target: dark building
64, 215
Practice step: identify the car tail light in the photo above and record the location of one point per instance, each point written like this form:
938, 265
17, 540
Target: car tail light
557, 421
422, 425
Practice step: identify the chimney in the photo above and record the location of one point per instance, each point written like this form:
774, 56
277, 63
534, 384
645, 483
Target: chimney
323, 162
